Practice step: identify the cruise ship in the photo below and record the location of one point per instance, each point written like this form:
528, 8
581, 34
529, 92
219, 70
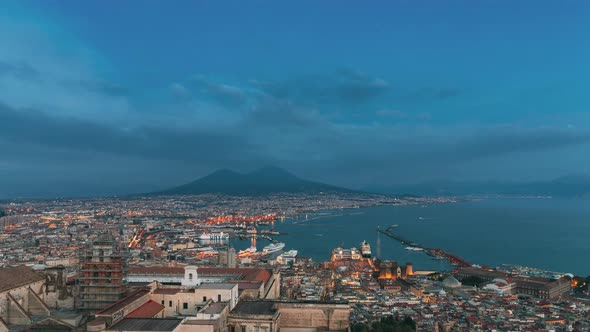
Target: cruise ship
287, 257
273, 247
214, 236
247, 252
366, 249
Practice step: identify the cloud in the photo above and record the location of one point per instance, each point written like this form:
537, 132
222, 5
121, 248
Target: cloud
42, 69
341, 87
179, 91
26, 126
17, 70
391, 113
278, 113
226, 94
432, 94
507, 140
64, 113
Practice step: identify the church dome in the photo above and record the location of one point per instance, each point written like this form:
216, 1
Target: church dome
451, 282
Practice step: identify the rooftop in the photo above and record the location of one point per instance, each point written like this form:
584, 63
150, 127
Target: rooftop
217, 286
124, 302
147, 310
13, 277
255, 308
167, 291
146, 324
214, 308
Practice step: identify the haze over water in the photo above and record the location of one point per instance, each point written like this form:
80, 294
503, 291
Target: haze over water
549, 234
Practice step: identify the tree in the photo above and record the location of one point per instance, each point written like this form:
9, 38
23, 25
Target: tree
473, 281
387, 324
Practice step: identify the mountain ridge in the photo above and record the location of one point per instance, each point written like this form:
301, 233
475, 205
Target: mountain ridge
264, 180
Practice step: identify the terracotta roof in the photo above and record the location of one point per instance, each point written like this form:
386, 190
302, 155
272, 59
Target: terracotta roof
147, 310
124, 302
13, 277
246, 274
248, 285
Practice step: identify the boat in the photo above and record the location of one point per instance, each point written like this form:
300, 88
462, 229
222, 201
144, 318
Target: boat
205, 249
270, 231
273, 247
366, 249
287, 257
247, 252
414, 248
214, 236
290, 253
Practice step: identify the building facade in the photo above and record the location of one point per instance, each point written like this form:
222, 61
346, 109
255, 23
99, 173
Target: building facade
102, 275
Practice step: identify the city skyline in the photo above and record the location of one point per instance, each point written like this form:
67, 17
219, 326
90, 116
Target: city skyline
95, 101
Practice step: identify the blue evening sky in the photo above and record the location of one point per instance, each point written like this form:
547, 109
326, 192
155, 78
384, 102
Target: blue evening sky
130, 96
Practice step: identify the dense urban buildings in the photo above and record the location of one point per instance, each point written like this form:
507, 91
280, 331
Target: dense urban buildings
168, 264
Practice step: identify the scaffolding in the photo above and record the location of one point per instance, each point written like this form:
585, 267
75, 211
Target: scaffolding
102, 276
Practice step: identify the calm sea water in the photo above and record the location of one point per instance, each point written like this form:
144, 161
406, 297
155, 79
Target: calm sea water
551, 234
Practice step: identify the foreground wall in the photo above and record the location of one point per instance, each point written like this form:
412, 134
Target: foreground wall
307, 317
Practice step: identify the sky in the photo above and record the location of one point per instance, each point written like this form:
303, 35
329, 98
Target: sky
116, 97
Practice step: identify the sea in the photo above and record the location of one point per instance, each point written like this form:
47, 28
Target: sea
545, 233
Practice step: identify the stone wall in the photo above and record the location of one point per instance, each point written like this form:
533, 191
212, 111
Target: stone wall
305, 317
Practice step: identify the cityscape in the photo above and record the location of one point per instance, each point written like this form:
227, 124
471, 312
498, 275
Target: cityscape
294, 166
114, 264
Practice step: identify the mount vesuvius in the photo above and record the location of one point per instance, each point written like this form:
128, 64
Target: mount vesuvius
266, 180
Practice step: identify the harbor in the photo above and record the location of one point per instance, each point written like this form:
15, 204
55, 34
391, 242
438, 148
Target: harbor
433, 252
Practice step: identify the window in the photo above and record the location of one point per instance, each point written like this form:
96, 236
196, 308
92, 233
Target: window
162, 302
218, 297
185, 305
204, 299
170, 303
190, 276
243, 329
232, 328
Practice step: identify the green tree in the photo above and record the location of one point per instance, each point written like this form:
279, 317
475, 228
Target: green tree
473, 281
387, 324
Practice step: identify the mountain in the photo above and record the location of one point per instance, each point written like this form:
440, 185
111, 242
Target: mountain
577, 185
266, 180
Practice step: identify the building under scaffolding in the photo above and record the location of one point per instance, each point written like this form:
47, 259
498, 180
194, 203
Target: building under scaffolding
102, 277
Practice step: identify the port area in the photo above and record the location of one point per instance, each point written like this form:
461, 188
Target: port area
434, 252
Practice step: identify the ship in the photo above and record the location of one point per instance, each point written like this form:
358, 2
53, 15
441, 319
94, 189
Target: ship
247, 252
366, 249
216, 236
287, 257
414, 248
273, 247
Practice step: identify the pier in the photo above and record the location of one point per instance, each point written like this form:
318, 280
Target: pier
451, 258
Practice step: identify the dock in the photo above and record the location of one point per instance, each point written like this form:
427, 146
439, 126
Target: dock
451, 258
